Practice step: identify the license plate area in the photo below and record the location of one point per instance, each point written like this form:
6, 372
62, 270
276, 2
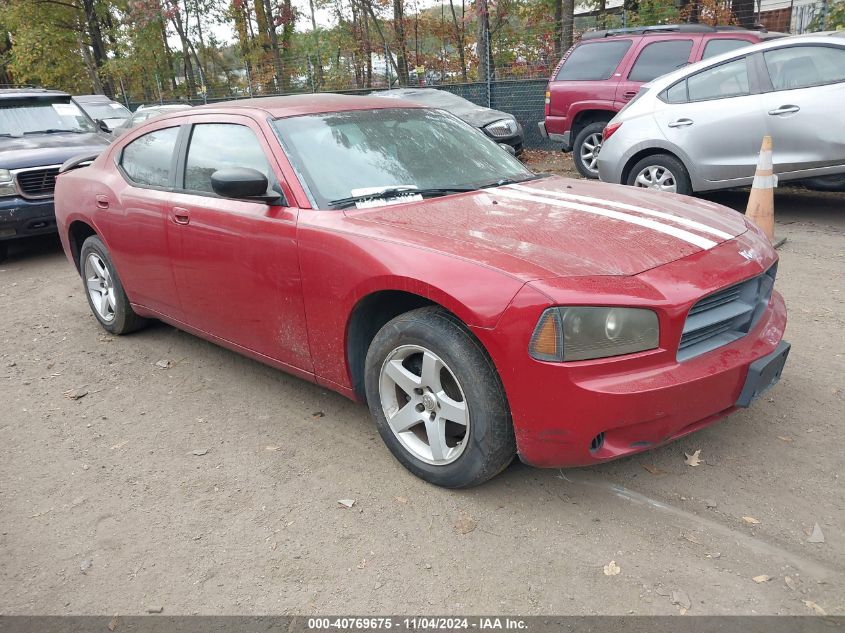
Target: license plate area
763, 374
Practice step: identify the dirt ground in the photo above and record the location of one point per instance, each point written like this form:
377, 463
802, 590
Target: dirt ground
212, 486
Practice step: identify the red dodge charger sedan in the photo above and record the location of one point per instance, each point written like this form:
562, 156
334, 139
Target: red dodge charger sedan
396, 255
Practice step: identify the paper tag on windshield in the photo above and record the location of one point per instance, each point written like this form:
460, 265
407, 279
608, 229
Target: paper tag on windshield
65, 109
383, 202
116, 106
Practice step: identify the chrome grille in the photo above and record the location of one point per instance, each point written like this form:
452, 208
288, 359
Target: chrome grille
37, 183
726, 315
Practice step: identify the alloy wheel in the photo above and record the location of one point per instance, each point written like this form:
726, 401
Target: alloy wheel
656, 177
424, 405
590, 152
100, 285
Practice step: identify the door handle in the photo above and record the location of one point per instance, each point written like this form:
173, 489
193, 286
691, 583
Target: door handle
784, 109
180, 215
102, 202
681, 123
629, 95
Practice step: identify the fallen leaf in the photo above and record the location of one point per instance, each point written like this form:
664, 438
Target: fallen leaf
317, 414
681, 599
654, 470
751, 520
76, 394
155, 609
714, 555
612, 569
401, 499
113, 623
694, 459
272, 448
812, 605
761, 578
346, 503
691, 538
199, 452
85, 565
784, 439
816, 536
164, 363
790, 582
362, 564
465, 524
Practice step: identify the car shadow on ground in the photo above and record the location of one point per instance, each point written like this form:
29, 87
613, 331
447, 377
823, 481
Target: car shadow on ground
31, 248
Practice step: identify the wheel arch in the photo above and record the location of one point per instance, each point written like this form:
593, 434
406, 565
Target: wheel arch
588, 116
78, 231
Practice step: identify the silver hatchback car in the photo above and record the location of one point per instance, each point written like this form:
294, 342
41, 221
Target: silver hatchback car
700, 128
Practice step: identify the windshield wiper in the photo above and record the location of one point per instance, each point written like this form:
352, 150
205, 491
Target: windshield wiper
508, 181
54, 131
397, 192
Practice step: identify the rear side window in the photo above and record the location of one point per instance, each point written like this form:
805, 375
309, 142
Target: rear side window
660, 58
147, 159
717, 47
720, 82
805, 66
222, 146
593, 62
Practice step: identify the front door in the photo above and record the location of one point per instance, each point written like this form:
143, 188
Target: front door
235, 261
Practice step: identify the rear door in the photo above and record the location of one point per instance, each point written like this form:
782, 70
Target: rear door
714, 117
654, 57
235, 261
803, 106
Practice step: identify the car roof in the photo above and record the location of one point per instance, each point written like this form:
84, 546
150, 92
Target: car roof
93, 99
17, 93
783, 42
294, 105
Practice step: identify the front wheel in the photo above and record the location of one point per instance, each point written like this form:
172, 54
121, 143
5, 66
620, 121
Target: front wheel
104, 291
661, 172
437, 400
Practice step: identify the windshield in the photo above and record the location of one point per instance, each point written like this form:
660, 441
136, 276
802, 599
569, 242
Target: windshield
339, 154
40, 116
106, 111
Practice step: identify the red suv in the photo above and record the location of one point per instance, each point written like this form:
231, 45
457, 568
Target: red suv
604, 71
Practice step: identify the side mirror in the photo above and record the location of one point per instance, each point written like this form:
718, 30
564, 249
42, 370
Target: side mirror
243, 183
102, 125
509, 149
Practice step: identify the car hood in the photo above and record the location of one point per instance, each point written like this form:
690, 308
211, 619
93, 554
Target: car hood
559, 227
35, 150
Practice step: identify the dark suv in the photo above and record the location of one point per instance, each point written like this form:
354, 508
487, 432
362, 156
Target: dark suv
39, 130
604, 71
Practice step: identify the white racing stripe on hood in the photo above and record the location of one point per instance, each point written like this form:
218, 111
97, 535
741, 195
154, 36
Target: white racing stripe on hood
681, 234
627, 207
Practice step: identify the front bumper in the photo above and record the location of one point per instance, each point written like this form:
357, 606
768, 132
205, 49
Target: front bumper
21, 218
556, 138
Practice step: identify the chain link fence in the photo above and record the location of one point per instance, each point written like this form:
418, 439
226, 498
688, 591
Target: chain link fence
520, 61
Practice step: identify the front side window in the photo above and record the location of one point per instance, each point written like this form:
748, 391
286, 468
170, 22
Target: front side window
37, 115
719, 82
217, 146
341, 153
147, 159
805, 66
593, 62
722, 45
660, 58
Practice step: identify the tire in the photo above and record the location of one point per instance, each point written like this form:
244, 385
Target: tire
464, 386
105, 294
586, 148
661, 166
826, 183
4, 251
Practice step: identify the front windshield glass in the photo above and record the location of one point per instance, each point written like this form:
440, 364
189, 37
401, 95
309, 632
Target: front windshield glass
39, 116
107, 111
340, 153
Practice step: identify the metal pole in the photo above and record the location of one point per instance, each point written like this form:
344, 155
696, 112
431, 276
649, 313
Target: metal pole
158, 85
387, 66
125, 96
248, 80
487, 42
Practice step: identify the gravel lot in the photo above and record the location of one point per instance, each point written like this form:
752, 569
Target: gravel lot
211, 486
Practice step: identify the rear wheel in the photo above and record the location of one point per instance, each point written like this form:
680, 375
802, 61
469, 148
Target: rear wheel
661, 172
585, 150
437, 400
105, 293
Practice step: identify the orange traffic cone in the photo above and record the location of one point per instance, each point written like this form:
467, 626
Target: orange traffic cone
761, 202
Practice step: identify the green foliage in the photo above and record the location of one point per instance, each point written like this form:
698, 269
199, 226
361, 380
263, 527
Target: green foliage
652, 12
835, 19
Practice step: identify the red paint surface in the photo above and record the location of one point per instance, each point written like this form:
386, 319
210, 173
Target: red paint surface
279, 284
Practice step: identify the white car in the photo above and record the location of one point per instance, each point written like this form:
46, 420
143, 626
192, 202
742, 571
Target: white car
700, 128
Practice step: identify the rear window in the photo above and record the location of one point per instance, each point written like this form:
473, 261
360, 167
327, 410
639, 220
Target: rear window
660, 58
717, 47
594, 61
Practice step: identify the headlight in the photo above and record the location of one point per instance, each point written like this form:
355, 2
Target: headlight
501, 129
7, 183
583, 333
